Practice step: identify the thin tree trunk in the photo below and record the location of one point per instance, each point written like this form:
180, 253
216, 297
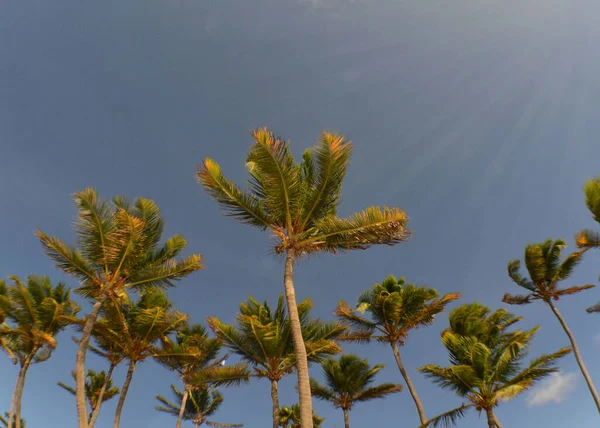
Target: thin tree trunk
497, 421
490, 418
96, 411
123, 395
23, 373
275, 400
409, 384
11, 415
82, 412
305, 400
584, 371
346, 418
182, 409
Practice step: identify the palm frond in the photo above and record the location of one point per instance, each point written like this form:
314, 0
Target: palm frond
517, 299
447, 419
587, 239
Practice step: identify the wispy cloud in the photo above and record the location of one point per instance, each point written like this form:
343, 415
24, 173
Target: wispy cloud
554, 389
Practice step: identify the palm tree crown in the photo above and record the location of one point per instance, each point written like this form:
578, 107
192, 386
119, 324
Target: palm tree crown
98, 388
487, 361
348, 381
289, 417
587, 238
395, 308
201, 404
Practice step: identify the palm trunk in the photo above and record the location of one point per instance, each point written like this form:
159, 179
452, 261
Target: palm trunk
23, 373
275, 400
410, 385
490, 418
305, 400
17, 393
182, 409
82, 412
497, 421
346, 418
96, 411
584, 371
123, 395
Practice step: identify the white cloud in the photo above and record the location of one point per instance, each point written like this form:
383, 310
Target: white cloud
554, 389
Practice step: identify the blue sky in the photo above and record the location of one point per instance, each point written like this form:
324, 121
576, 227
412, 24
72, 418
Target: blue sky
480, 119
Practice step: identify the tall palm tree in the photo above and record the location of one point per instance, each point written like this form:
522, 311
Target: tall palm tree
118, 247
38, 311
546, 272
194, 356
348, 381
98, 389
200, 404
263, 338
298, 203
487, 362
395, 308
289, 417
137, 327
589, 239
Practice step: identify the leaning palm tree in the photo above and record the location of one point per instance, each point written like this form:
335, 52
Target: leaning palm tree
487, 362
263, 338
194, 356
546, 271
136, 327
348, 381
289, 417
38, 312
200, 404
118, 247
98, 389
297, 203
395, 308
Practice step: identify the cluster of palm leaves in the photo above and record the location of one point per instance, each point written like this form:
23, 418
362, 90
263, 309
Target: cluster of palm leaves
123, 267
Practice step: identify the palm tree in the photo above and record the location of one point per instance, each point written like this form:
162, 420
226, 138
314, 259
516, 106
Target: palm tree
487, 362
195, 358
298, 203
589, 239
348, 381
4, 420
118, 247
136, 328
546, 271
395, 308
98, 389
263, 338
200, 404
289, 417
39, 312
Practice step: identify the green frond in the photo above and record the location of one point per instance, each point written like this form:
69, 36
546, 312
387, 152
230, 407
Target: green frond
364, 229
447, 419
163, 276
592, 197
379, 391
241, 205
565, 269
513, 272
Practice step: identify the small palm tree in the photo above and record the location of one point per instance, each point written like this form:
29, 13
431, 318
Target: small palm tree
546, 271
98, 389
589, 239
195, 358
348, 381
289, 417
38, 312
487, 362
200, 404
118, 247
395, 308
263, 338
136, 328
298, 204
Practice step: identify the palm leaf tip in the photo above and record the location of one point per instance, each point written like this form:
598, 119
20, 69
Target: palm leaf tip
592, 309
516, 299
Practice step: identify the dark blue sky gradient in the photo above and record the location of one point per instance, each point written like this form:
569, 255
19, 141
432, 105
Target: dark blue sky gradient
479, 118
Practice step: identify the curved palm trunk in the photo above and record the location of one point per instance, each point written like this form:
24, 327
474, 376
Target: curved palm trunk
409, 384
82, 412
16, 393
497, 421
23, 373
346, 418
182, 409
582, 367
275, 400
123, 395
491, 418
305, 400
96, 411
